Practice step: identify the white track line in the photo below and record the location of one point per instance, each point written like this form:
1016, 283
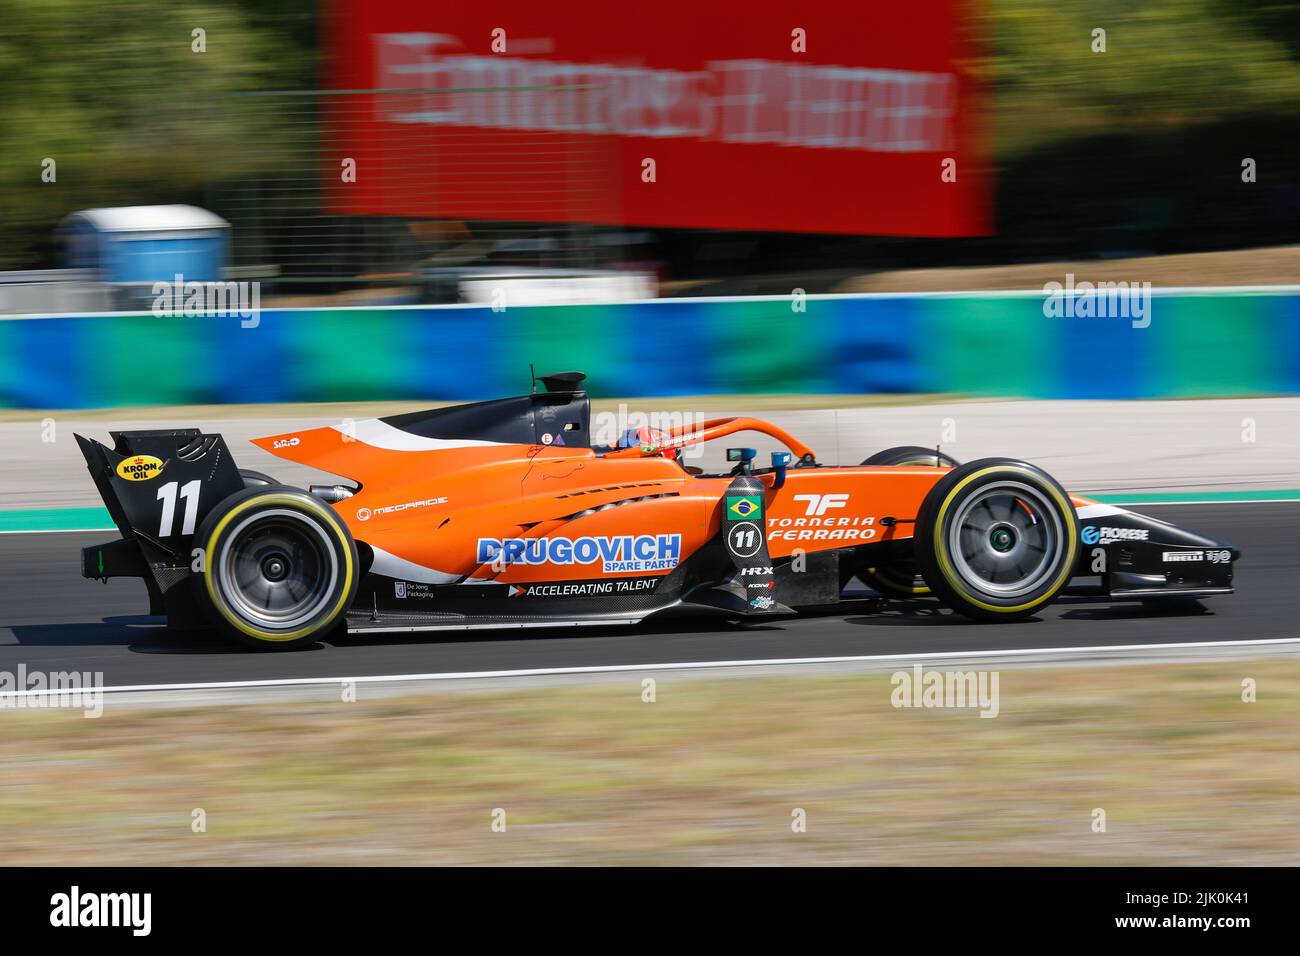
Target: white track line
632, 668
1205, 501
55, 530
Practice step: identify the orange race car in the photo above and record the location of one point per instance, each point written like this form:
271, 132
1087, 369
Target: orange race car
503, 514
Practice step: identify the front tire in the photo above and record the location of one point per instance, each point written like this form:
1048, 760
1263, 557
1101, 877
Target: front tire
280, 567
997, 539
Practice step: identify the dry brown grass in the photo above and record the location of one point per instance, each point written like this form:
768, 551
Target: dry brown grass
710, 773
1276, 265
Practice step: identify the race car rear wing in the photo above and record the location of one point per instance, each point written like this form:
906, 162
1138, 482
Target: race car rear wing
157, 487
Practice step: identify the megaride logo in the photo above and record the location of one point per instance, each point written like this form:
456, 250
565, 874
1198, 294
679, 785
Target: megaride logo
139, 468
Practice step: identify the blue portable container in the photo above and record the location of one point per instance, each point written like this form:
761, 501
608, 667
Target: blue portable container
139, 244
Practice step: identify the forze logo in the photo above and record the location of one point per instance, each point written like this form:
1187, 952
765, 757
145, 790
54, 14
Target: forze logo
139, 468
1095, 535
626, 553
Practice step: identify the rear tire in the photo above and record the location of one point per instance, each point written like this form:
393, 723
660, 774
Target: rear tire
280, 567
900, 577
997, 539
256, 479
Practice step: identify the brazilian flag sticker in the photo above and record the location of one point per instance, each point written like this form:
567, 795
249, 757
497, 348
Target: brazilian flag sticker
747, 506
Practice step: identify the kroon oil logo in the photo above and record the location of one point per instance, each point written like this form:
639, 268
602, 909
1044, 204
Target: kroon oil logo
139, 468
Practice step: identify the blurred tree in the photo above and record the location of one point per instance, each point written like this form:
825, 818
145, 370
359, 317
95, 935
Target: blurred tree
1139, 149
118, 96
1273, 19
1168, 63
1094, 149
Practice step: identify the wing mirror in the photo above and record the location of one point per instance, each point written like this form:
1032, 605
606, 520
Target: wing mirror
780, 462
743, 455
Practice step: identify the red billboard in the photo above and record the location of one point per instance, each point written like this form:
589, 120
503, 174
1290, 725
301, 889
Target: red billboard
837, 117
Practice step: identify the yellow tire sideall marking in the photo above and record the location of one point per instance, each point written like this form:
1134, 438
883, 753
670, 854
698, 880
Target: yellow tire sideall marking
914, 589
273, 499
950, 573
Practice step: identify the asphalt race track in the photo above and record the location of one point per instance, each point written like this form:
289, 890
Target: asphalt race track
51, 619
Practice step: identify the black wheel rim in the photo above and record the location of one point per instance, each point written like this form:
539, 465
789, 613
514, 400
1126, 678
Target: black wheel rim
278, 570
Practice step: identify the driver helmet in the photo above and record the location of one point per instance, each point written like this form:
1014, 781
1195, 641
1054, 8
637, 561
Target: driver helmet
651, 441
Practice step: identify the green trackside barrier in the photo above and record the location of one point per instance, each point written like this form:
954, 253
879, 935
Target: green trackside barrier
1197, 343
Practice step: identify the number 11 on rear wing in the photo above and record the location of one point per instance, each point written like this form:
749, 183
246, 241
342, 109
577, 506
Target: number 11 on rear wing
157, 486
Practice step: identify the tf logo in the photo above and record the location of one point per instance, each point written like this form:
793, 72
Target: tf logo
741, 507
